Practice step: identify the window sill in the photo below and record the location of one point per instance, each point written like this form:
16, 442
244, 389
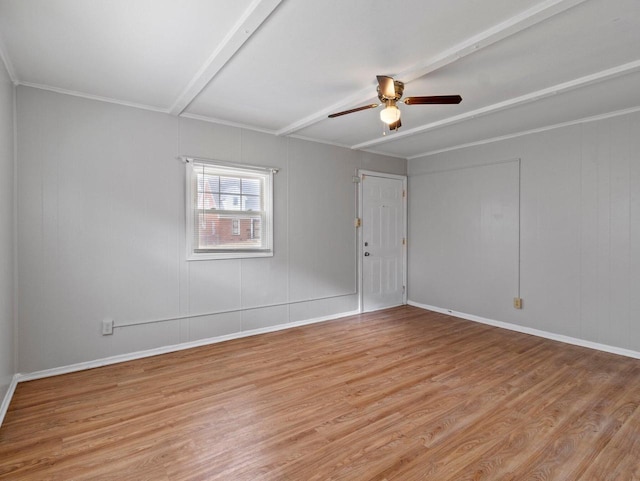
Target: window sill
227, 255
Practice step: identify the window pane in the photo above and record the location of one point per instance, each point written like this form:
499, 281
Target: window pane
251, 186
208, 186
251, 203
207, 230
200, 182
230, 202
208, 183
223, 232
214, 183
208, 201
256, 230
229, 185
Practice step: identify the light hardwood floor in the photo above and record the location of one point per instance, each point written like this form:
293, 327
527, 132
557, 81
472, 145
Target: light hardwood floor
401, 394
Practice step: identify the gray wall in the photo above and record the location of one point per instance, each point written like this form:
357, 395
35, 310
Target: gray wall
464, 237
101, 231
579, 231
7, 232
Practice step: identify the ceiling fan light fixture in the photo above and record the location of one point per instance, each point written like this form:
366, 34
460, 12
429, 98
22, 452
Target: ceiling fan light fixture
390, 92
390, 114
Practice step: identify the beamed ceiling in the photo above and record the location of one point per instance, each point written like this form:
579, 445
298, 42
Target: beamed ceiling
281, 66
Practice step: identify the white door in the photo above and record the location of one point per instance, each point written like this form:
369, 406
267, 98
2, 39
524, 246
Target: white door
383, 241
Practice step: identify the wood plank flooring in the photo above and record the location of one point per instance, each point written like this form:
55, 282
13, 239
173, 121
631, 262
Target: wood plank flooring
401, 394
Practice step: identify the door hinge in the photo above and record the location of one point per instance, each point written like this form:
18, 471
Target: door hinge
404, 193
404, 241
357, 223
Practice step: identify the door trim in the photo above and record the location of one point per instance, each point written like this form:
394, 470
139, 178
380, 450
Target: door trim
403, 178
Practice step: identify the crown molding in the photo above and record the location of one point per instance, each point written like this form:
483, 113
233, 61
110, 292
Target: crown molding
213, 120
75, 93
344, 146
8, 65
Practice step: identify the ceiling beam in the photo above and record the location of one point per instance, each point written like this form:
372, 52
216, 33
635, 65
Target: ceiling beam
603, 75
253, 17
584, 120
540, 12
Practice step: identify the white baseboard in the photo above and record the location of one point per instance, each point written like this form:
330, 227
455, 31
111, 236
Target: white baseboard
7, 397
56, 371
534, 332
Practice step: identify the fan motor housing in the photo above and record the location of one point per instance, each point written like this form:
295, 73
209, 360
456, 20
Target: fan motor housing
399, 89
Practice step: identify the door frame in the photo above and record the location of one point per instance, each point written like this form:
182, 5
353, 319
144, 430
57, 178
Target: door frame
361, 174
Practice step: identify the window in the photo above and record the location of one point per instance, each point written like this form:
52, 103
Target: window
229, 211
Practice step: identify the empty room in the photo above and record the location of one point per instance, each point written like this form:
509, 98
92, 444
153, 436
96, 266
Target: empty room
297, 240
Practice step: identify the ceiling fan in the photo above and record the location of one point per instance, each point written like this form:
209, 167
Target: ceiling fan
390, 92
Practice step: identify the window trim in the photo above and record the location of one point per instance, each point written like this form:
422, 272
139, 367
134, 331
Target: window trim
192, 251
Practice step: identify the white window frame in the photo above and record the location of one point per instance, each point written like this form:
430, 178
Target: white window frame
191, 204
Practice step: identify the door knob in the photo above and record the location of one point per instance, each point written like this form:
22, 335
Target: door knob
366, 254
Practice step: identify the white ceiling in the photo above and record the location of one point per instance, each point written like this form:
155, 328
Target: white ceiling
282, 66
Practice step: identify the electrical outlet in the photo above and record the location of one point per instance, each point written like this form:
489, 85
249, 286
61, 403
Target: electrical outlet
107, 327
517, 302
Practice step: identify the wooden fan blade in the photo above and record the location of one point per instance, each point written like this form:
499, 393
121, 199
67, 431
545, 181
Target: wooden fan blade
434, 99
386, 86
350, 111
395, 125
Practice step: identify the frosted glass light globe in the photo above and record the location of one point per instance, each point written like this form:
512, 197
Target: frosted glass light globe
390, 114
